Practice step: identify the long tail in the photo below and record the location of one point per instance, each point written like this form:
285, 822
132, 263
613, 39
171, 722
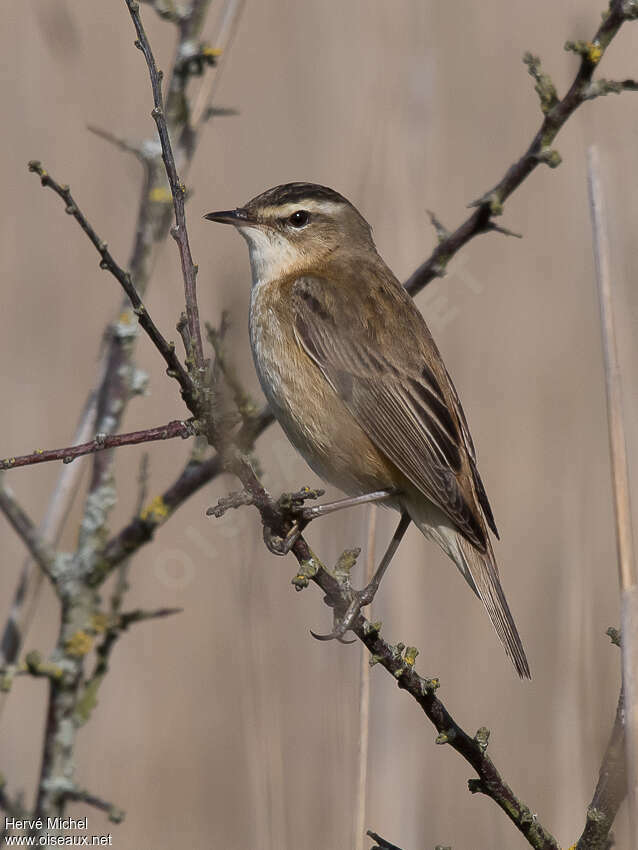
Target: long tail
484, 576
481, 573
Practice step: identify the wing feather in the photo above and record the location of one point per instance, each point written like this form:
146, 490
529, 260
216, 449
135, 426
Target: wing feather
406, 408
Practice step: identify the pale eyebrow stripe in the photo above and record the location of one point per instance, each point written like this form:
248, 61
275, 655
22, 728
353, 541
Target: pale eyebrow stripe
309, 204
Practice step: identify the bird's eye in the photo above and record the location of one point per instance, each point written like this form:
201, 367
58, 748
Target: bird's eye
299, 218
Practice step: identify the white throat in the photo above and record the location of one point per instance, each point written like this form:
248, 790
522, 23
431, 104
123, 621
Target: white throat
271, 254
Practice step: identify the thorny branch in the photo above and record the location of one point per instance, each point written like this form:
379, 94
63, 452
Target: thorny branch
555, 112
166, 349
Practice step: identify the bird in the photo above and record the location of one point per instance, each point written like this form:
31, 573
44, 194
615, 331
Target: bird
352, 374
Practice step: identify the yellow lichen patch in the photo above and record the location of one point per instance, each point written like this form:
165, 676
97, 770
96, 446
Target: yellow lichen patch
212, 51
410, 655
79, 644
594, 52
156, 511
160, 195
99, 622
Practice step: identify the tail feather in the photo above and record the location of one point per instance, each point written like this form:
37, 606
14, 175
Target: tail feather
484, 574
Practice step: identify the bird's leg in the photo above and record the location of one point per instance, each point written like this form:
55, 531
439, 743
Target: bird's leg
305, 515
365, 596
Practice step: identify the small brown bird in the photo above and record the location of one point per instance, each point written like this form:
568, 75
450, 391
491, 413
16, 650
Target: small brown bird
356, 381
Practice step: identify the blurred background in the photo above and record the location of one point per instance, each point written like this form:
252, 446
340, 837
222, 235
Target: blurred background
229, 726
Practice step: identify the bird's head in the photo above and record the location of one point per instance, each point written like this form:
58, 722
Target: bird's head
297, 228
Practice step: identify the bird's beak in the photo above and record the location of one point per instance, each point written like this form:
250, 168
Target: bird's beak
237, 217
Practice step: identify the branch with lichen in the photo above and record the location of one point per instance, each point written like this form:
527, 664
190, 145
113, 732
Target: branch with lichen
556, 111
398, 660
118, 382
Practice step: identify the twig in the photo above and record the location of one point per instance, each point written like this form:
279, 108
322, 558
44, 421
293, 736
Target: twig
175, 428
41, 552
620, 482
556, 112
30, 581
123, 145
189, 269
115, 814
243, 402
610, 790
382, 844
227, 29
192, 478
166, 349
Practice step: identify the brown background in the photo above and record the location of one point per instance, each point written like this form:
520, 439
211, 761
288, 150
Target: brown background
229, 726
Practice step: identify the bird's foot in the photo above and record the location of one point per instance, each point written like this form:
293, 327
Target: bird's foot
282, 545
360, 598
291, 507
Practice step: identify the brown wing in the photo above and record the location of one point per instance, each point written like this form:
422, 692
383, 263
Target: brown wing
373, 346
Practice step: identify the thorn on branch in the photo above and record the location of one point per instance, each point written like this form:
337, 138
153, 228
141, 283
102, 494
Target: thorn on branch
220, 112
139, 616
442, 233
381, 844
504, 230
545, 88
491, 201
122, 144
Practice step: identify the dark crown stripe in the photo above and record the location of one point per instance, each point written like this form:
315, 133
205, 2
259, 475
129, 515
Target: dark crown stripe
292, 193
